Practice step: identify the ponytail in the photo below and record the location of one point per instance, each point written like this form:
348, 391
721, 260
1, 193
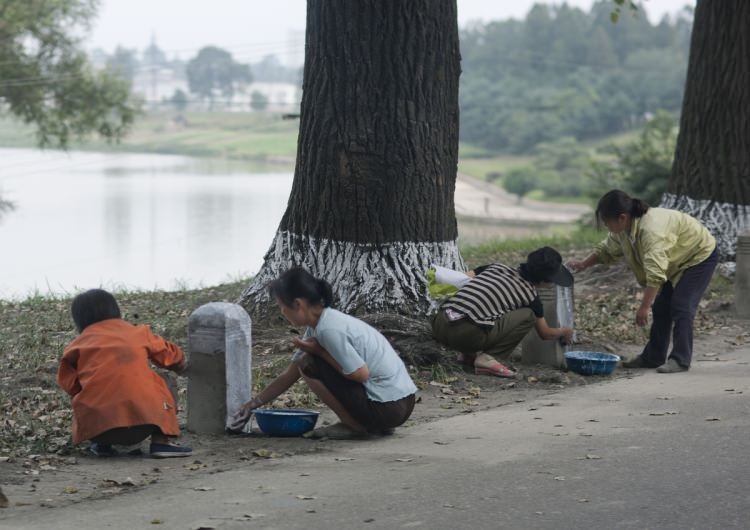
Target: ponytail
614, 203
298, 283
326, 293
638, 208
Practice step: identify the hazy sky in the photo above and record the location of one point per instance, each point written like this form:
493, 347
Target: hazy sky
251, 29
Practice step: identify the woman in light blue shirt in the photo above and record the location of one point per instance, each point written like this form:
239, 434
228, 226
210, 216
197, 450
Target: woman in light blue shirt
347, 363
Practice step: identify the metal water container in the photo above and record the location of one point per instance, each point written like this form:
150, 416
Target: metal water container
558, 311
742, 276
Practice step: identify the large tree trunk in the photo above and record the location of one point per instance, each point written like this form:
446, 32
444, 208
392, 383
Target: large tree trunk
711, 172
371, 205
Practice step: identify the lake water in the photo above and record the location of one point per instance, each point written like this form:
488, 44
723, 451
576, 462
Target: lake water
132, 221
140, 221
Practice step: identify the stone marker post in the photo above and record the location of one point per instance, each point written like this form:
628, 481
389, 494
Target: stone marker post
219, 360
558, 311
742, 276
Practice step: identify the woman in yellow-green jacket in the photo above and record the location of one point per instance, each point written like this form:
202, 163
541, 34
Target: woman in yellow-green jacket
673, 256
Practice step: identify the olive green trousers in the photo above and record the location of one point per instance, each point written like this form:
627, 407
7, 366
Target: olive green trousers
499, 340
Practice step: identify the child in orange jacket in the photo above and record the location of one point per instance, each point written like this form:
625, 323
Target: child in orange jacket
116, 397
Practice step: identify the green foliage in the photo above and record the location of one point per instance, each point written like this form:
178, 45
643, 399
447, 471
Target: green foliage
258, 101
520, 181
643, 166
123, 63
214, 71
179, 100
46, 80
565, 72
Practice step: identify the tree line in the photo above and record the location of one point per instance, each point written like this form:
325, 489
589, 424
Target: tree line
565, 72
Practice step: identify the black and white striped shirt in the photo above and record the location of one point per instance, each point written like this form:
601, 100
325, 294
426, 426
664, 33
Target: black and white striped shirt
497, 290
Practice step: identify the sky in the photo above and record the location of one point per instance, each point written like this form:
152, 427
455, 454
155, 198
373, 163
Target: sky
251, 29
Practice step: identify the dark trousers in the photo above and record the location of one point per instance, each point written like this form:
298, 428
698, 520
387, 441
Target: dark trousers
674, 310
375, 416
499, 340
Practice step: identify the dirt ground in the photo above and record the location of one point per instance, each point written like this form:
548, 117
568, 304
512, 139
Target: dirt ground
69, 476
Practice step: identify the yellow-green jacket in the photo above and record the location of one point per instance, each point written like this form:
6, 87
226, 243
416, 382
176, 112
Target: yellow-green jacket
659, 247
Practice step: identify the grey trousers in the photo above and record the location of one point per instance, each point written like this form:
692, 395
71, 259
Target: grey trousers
499, 340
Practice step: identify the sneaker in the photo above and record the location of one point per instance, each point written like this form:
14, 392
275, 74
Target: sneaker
169, 450
671, 367
635, 362
98, 449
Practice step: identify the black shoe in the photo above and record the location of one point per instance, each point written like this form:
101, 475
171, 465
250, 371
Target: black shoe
98, 449
636, 362
671, 367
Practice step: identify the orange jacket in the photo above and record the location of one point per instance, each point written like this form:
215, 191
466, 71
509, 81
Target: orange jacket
106, 371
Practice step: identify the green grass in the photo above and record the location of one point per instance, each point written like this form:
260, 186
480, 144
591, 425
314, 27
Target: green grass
235, 135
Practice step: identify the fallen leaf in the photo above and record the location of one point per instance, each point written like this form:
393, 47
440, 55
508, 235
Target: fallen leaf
532, 379
310, 511
343, 459
70, 489
4, 459
305, 497
593, 457
204, 488
583, 500
441, 443
370, 520
664, 413
713, 418
404, 459
157, 521
265, 453
560, 478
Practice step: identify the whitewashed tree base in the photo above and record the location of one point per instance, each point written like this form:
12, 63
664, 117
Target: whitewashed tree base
723, 219
365, 278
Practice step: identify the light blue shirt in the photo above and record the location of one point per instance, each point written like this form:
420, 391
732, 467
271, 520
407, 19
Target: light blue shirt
353, 343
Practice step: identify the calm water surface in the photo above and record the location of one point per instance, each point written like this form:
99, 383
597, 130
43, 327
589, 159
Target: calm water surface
132, 221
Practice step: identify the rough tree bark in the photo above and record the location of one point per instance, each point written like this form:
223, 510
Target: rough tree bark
711, 172
371, 205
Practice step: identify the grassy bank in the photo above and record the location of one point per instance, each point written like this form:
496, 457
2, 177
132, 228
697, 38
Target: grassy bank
35, 414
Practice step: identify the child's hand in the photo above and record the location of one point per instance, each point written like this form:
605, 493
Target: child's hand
242, 416
181, 368
311, 345
567, 335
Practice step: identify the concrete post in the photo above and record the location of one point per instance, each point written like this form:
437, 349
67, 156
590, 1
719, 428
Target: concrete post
558, 311
219, 359
742, 276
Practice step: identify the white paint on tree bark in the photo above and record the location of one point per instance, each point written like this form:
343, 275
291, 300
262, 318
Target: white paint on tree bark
365, 278
724, 220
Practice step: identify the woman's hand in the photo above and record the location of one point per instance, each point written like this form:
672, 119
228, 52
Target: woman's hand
311, 345
576, 265
566, 335
242, 416
641, 316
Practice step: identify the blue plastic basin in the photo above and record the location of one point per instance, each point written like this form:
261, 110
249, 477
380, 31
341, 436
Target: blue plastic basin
591, 362
286, 422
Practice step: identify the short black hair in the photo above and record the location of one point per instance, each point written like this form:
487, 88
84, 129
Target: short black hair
92, 306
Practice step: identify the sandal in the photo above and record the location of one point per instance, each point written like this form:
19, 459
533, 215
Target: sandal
498, 370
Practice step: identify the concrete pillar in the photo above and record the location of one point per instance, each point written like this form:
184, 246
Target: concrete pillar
219, 359
742, 276
558, 311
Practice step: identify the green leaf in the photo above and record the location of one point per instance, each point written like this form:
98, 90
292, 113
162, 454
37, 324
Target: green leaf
614, 16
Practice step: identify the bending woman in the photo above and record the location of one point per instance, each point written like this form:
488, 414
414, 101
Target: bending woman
348, 364
673, 256
492, 313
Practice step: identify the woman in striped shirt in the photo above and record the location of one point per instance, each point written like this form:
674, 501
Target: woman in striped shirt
490, 315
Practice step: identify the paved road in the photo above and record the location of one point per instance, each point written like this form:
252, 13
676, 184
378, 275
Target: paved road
478, 199
654, 451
